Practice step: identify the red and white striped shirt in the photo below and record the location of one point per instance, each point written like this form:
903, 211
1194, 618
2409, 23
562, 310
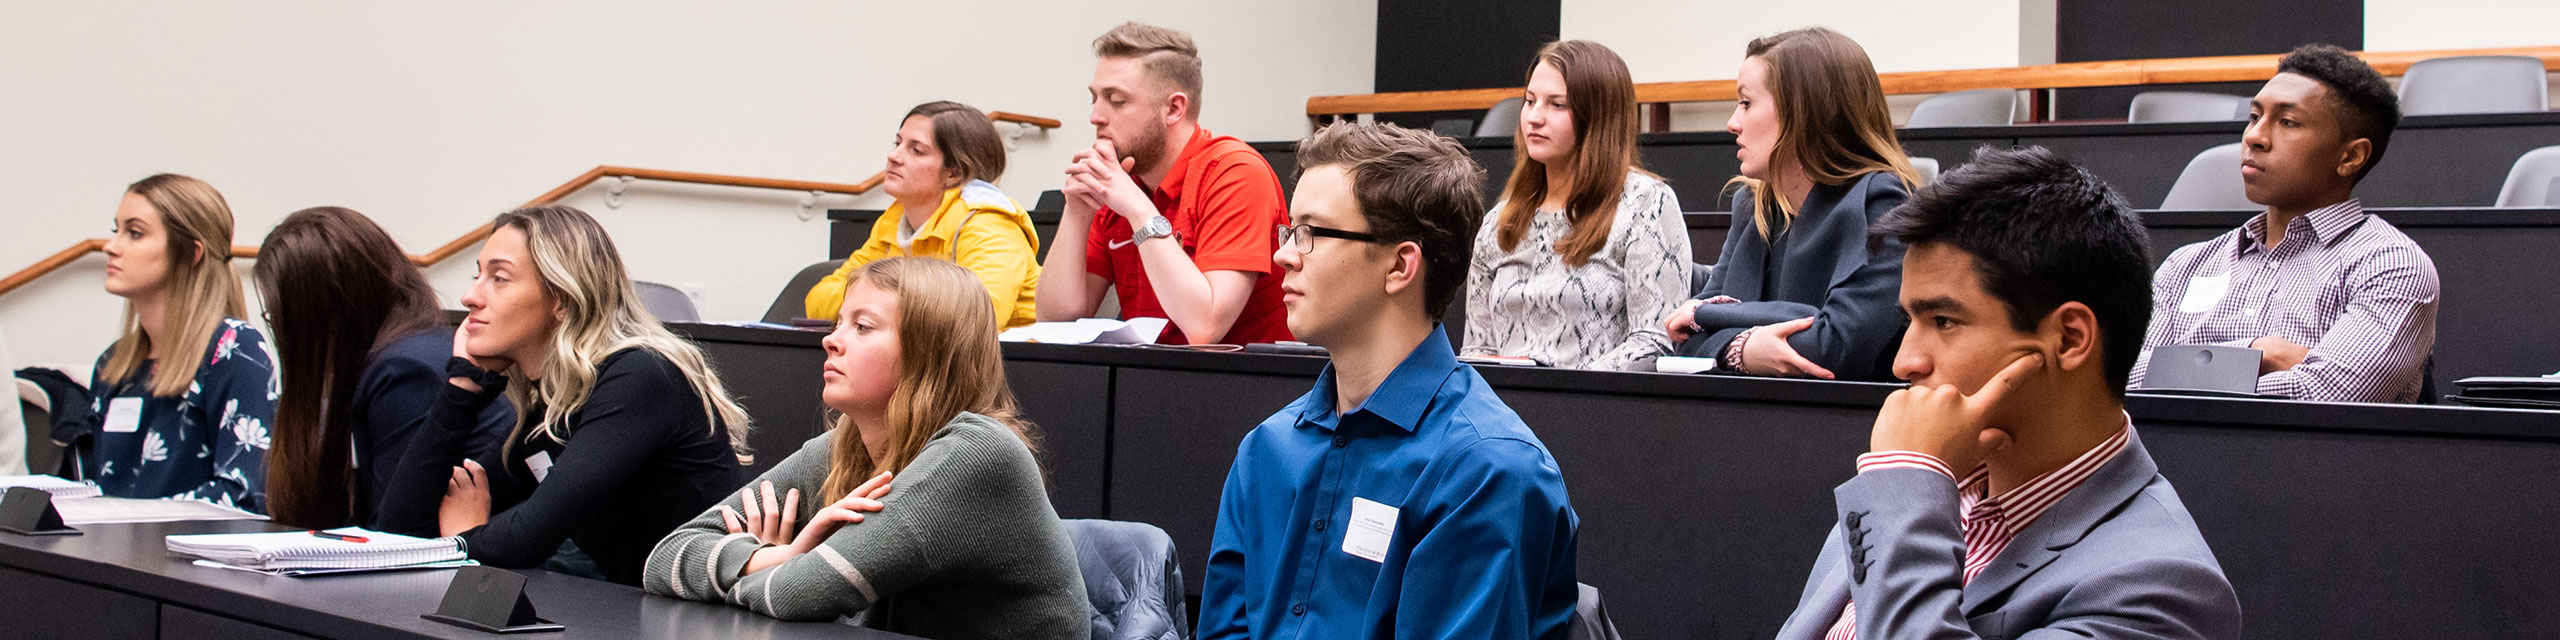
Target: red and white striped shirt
1990, 522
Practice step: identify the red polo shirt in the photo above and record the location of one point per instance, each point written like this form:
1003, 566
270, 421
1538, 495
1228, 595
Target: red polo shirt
1223, 201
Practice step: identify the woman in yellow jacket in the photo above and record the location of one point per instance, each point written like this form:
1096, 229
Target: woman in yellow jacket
942, 173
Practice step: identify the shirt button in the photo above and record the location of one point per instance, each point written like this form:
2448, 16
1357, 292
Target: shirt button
1298, 609
1341, 441
1319, 524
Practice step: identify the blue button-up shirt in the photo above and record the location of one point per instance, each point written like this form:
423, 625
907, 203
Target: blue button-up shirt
1483, 537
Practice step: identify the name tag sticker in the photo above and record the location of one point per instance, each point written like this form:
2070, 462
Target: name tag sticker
1372, 526
124, 415
540, 464
2203, 292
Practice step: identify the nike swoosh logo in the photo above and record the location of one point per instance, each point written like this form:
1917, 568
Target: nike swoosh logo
1117, 244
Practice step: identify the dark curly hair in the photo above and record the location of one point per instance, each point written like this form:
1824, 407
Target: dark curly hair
2370, 109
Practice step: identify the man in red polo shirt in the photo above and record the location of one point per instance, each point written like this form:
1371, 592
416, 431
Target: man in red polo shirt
1181, 221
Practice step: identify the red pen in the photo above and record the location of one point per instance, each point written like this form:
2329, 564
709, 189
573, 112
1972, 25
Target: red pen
338, 536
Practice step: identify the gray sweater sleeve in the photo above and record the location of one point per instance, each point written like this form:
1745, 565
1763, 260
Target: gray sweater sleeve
937, 517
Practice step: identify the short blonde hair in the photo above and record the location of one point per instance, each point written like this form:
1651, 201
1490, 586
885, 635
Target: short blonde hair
1169, 56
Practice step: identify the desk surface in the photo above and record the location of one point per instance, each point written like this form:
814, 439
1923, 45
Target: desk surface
132, 558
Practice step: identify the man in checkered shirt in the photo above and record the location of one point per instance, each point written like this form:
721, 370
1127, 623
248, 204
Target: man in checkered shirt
2340, 303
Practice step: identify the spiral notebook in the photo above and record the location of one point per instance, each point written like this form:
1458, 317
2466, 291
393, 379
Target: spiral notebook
300, 550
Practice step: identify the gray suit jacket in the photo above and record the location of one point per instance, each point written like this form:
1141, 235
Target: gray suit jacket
2116, 558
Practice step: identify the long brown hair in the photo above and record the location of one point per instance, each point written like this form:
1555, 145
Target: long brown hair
969, 143
1832, 119
337, 289
601, 315
949, 362
201, 290
1601, 94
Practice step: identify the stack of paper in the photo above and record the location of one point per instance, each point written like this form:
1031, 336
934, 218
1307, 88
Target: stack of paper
1088, 331
113, 510
60, 488
303, 553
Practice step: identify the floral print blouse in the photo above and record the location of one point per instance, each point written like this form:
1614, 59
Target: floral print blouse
209, 444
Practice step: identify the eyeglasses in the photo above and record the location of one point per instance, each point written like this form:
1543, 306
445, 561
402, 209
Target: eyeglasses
1300, 235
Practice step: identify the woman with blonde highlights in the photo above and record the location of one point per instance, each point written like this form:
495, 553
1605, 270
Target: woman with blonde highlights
1801, 289
926, 495
622, 432
186, 395
1574, 267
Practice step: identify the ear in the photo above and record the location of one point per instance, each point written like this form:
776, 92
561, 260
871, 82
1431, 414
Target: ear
2352, 159
1177, 107
2070, 336
1406, 271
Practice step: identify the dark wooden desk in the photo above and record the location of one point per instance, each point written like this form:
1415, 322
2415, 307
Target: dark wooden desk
1705, 498
120, 581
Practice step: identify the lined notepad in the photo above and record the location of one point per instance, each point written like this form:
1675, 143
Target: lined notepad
292, 550
60, 488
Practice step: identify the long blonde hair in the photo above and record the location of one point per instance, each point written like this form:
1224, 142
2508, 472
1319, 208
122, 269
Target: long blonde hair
1601, 94
200, 292
949, 362
600, 315
1832, 119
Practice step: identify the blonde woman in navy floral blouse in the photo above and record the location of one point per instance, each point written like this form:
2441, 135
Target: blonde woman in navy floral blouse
184, 397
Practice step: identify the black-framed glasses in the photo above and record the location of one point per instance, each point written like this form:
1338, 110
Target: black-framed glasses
1300, 235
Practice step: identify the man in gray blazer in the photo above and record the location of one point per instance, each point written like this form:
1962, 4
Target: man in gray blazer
2007, 494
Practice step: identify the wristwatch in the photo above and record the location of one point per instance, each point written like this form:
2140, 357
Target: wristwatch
1156, 227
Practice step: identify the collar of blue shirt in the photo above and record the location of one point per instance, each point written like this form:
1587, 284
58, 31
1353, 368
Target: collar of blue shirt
1400, 399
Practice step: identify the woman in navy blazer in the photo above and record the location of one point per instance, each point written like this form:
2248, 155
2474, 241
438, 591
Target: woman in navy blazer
1802, 289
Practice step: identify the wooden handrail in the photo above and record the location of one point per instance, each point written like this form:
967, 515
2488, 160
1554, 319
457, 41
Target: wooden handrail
449, 249
2052, 76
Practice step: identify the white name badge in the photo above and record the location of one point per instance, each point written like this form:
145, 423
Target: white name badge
1372, 526
124, 415
2203, 292
540, 464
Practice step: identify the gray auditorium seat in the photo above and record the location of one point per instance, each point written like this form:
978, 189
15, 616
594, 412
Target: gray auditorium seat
793, 301
1051, 201
1976, 108
2187, 106
1928, 168
1502, 120
2210, 183
2529, 184
2474, 84
669, 304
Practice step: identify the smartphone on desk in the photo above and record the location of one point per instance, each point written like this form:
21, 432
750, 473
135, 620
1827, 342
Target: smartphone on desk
1288, 347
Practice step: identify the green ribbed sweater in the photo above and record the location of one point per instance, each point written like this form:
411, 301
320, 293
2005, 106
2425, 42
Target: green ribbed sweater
967, 547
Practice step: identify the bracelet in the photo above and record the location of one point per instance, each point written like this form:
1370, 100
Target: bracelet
1733, 352
489, 381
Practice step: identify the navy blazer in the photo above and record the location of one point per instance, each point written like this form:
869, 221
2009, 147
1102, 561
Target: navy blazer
1824, 265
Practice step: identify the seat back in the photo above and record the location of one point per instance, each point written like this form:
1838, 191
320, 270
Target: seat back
1502, 120
669, 304
1051, 201
1590, 617
1976, 108
2211, 182
1133, 577
2187, 106
795, 295
2535, 180
1928, 168
2474, 84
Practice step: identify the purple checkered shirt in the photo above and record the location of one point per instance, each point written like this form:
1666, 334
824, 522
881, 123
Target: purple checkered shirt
2349, 286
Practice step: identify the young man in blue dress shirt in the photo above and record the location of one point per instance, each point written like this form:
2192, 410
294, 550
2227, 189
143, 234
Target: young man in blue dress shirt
1399, 498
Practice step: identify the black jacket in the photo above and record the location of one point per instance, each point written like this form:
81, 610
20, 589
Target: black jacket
1824, 265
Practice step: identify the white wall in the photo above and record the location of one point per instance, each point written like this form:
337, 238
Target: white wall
433, 117
2418, 25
